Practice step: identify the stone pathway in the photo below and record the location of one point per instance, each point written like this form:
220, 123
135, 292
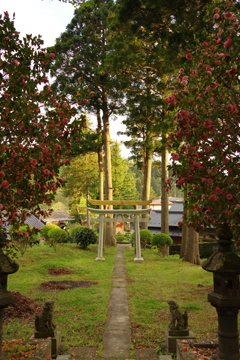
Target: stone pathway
117, 332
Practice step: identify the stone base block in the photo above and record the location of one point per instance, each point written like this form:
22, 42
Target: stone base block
178, 332
55, 338
44, 334
56, 343
63, 357
171, 340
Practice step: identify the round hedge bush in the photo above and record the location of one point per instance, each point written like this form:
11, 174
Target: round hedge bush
84, 237
73, 231
56, 236
162, 242
145, 237
161, 239
45, 229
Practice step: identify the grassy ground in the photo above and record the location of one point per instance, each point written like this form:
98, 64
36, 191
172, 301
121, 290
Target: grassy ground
80, 313
156, 280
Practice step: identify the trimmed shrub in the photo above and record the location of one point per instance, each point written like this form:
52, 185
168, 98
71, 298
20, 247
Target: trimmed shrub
162, 242
45, 229
56, 236
120, 238
145, 237
23, 237
84, 237
73, 231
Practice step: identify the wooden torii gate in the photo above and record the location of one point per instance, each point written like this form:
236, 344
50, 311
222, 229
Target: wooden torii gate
133, 215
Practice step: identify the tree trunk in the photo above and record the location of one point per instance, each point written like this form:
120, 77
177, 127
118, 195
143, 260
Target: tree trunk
192, 250
164, 196
109, 233
184, 241
100, 161
146, 184
190, 242
164, 250
88, 215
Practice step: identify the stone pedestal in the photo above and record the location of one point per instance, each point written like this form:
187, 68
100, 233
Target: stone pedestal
55, 338
173, 335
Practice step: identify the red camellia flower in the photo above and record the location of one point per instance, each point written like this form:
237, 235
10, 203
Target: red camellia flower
188, 56
227, 43
228, 15
33, 162
46, 172
52, 55
175, 156
213, 197
184, 82
5, 184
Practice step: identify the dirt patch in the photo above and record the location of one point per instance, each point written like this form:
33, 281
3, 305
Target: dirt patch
59, 271
21, 307
65, 285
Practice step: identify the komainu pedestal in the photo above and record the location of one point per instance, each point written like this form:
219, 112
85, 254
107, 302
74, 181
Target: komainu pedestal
178, 327
45, 327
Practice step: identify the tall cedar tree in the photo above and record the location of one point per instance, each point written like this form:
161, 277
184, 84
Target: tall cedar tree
142, 51
140, 66
171, 25
81, 53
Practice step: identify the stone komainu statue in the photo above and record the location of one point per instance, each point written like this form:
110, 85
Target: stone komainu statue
179, 319
43, 322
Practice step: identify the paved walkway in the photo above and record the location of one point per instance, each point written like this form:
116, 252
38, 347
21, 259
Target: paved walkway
117, 332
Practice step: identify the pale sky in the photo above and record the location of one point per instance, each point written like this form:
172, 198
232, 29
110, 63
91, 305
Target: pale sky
49, 19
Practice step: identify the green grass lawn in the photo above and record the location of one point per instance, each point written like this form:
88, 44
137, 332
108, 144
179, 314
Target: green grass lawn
80, 313
156, 280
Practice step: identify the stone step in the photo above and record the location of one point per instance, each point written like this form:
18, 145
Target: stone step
165, 357
63, 357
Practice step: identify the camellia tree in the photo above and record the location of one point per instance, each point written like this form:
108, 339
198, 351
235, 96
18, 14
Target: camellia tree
205, 98
36, 127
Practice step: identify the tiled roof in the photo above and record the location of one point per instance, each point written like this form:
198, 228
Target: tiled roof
175, 216
34, 222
